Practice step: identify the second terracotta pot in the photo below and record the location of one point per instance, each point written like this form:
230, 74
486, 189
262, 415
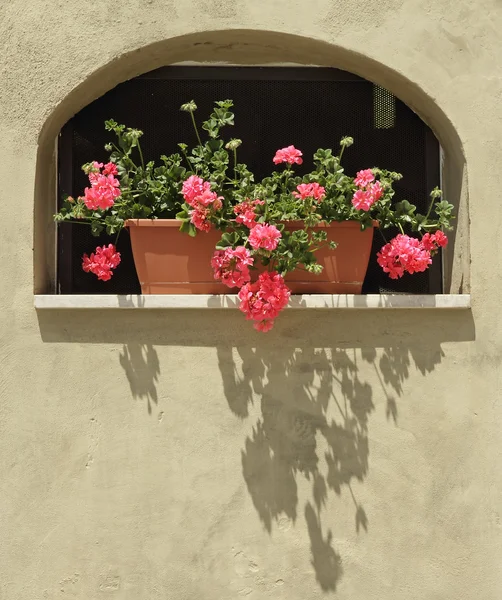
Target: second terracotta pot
171, 262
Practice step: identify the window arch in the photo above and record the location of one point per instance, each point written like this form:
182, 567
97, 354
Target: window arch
265, 48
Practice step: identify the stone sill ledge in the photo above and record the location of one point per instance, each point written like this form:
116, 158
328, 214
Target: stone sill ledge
313, 301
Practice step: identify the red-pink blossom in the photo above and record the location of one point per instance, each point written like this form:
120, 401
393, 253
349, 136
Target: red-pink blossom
364, 199
433, 241
403, 254
197, 193
198, 216
364, 178
103, 191
428, 242
309, 190
288, 155
263, 300
441, 239
231, 266
264, 326
101, 262
110, 169
376, 190
208, 198
194, 186
264, 236
245, 212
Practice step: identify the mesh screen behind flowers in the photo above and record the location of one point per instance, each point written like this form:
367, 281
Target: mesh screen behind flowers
309, 107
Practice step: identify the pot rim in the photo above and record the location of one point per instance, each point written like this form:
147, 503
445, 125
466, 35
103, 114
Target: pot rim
177, 223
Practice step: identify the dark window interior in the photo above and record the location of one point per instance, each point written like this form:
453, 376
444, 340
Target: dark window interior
309, 107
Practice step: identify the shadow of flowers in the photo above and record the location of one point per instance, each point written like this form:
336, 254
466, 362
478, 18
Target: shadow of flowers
313, 423
142, 368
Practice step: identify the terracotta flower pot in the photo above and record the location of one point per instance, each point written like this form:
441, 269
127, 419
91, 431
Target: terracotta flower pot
170, 262
344, 268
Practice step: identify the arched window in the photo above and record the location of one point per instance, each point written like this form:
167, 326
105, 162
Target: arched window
309, 107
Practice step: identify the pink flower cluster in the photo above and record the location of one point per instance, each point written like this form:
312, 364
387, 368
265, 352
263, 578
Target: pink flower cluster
432, 242
197, 194
404, 254
264, 237
369, 190
288, 155
245, 212
102, 262
309, 190
104, 187
263, 300
231, 266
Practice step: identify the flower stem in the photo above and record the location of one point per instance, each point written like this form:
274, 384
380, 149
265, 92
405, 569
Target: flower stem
141, 156
188, 161
381, 233
196, 129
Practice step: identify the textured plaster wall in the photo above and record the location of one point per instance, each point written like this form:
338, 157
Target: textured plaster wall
180, 455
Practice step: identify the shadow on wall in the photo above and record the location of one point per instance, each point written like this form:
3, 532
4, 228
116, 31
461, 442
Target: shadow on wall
313, 424
142, 368
307, 376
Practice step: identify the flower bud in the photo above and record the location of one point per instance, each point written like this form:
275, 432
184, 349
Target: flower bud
233, 144
189, 107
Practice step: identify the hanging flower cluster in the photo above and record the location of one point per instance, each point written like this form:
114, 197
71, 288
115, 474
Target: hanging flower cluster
405, 254
207, 189
101, 262
263, 300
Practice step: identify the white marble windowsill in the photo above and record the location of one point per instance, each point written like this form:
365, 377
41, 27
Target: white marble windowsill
314, 301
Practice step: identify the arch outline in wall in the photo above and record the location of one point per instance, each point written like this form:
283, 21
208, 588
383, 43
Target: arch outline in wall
248, 47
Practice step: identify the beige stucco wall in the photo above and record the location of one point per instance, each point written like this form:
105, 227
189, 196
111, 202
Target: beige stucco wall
180, 455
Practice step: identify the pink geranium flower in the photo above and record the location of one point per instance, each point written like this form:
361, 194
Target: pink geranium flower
309, 190
263, 300
101, 262
197, 194
199, 217
194, 186
441, 239
288, 155
231, 266
110, 169
245, 212
428, 242
264, 326
103, 191
434, 241
376, 190
364, 178
403, 254
364, 199
264, 236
